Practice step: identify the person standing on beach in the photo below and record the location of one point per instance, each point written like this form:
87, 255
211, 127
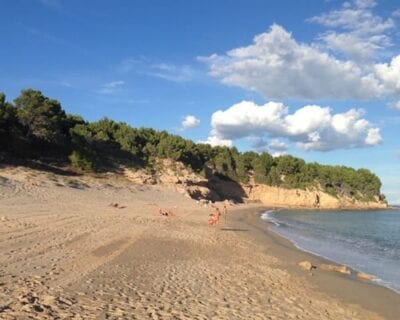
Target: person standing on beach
225, 210
217, 214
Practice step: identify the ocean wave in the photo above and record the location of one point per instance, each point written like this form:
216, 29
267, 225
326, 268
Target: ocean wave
267, 216
344, 239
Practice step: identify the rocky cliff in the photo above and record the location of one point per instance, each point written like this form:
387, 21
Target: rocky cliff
176, 176
296, 198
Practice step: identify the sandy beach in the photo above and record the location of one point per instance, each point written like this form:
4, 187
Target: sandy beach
74, 247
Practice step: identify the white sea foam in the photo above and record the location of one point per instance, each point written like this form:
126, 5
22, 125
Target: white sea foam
267, 216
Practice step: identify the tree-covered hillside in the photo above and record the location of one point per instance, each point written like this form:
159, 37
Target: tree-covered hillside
36, 127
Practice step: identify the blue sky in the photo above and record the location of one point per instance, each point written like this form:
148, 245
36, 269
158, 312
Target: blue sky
316, 79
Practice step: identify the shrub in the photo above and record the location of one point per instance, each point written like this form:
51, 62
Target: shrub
82, 161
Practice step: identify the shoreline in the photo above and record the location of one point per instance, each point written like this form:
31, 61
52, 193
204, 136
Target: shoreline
328, 260
69, 252
293, 208
377, 281
367, 294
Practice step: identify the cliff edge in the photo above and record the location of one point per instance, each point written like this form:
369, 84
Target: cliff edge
176, 176
315, 199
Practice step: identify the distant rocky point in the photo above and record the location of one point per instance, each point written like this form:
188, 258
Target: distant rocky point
176, 176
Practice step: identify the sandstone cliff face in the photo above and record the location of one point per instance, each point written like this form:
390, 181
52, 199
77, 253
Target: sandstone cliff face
296, 198
177, 177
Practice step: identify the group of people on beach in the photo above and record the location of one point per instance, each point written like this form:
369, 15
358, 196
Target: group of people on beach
216, 215
213, 219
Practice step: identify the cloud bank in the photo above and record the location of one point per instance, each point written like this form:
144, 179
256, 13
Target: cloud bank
355, 31
342, 63
311, 127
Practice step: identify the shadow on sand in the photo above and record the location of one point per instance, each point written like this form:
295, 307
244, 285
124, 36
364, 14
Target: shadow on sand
233, 229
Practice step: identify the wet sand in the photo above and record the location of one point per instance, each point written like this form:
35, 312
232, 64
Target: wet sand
67, 251
348, 289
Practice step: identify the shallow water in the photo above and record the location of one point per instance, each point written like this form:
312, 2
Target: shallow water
368, 241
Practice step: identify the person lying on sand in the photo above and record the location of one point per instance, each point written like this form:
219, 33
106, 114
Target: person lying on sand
212, 221
117, 206
168, 213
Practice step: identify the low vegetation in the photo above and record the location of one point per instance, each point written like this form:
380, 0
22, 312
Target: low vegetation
36, 127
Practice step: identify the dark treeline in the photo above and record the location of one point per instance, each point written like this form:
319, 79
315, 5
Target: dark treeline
36, 127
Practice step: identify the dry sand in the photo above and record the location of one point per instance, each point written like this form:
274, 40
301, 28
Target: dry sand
65, 253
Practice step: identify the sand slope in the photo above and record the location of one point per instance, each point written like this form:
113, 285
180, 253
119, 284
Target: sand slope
65, 253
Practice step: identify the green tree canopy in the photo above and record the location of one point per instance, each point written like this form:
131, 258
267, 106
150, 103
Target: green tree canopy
8, 116
43, 118
104, 143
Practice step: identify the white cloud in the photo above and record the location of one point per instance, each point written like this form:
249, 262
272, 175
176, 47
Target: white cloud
365, 3
111, 87
246, 119
171, 72
347, 61
396, 105
276, 66
373, 137
277, 145
189, 122
261, 144
360, 33
396, 13
311, 127
356, 16
215, 141
355, 47
389, 73
163, 70
278, 153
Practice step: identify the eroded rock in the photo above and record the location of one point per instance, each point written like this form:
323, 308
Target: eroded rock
335, 268
306, 265
365, 276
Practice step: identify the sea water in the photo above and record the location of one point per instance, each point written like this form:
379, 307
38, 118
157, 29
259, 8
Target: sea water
367, 241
